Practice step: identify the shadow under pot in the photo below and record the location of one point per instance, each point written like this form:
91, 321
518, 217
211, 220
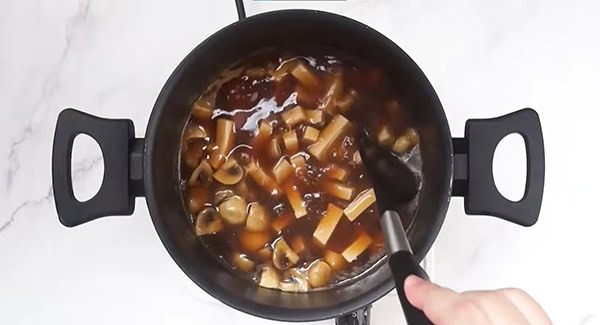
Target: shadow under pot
147, 167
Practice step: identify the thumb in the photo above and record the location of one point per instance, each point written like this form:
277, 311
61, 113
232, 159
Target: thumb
435, 301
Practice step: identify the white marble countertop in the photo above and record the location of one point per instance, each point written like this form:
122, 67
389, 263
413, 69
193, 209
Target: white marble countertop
111, 58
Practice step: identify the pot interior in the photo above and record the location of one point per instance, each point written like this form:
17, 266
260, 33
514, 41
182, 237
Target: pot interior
172, 109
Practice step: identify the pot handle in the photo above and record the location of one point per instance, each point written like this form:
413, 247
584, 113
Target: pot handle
122, 180
473, 175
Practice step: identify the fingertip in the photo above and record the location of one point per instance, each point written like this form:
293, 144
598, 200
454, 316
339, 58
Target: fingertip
412, 281
412, 291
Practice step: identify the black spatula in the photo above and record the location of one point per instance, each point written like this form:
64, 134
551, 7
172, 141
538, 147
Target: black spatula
394, 183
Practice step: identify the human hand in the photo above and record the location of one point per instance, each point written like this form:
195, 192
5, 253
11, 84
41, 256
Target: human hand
446, 307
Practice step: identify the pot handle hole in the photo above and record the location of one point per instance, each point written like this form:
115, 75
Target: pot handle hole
122, 180
473, 172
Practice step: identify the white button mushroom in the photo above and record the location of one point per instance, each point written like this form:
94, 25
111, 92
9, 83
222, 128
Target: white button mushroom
319, 274
257, 218
233, 210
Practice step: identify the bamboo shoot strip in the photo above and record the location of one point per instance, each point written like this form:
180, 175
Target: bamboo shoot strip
314, 116
298, 244
336, 172
282, 170
224, 142
333, 130
360, 244
274, 150
406, 141
284, 69
290, 140
338, 190
294, 116
310, 135
298, 161
295, 199
305, 76
203, 106
385, 136
262, 179
356, 158
333, 91
360, 204
265, 129
328, 223
344, 103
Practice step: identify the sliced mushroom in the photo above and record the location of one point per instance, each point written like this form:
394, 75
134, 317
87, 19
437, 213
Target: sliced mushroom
197, 197
262, 179
233, 210
257, 218
265, 254
192, 153
194, 132
283, 255
222, 195
269, 278
242, 262
319, 274
252, 241
208, 222
202, 175
294, 280
230, 173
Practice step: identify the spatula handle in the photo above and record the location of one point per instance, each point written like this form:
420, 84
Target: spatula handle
403, 264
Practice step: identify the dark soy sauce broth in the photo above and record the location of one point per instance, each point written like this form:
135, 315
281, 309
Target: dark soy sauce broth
249, 93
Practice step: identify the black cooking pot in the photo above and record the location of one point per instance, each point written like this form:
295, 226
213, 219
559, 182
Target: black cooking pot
149, 167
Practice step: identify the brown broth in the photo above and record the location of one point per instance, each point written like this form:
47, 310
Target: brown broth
253, 96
